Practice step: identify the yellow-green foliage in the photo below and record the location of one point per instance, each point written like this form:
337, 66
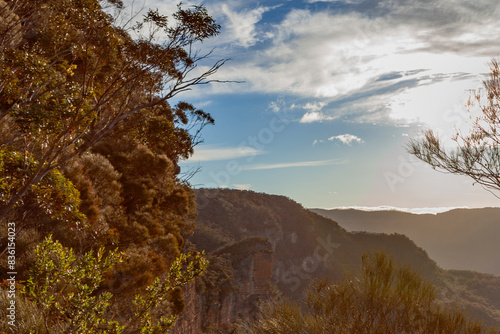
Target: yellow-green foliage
54, 196
89, 147
64, 297
63, 287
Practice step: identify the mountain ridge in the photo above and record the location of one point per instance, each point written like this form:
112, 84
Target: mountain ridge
308, 246
415, 211
463, 239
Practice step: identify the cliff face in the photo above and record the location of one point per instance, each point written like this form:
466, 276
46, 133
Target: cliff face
190, 321
10, 26
252, 263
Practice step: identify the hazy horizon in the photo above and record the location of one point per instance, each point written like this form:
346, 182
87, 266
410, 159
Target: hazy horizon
427, 210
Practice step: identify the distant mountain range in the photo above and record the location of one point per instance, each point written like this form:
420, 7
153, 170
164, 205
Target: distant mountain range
466, 239
233, 225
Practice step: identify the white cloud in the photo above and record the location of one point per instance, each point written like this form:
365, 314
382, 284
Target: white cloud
314, 106
210, 153
314, 112
203, 104
347, 139
240, 25
441, 105
296, 164
314, 116
278, 105
382, 62
333, 55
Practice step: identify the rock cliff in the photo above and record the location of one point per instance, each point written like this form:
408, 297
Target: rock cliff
251, 261
10, 26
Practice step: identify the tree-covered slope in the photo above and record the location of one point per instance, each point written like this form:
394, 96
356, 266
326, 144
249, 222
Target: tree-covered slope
464, 239
308, 245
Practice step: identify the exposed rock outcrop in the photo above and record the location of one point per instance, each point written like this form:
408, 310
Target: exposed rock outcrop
10, 26
252, 262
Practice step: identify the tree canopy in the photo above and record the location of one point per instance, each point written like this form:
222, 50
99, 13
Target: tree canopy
89, 153
69, 75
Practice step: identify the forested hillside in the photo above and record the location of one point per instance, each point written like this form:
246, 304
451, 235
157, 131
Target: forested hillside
93, 210
307, 246
458, 239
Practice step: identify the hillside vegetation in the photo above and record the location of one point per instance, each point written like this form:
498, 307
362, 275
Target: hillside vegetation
308, 246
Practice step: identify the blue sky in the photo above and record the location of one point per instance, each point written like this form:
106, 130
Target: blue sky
333, 90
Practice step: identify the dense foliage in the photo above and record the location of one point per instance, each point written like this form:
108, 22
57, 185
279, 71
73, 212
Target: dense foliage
69, 76
62, 293
89, 152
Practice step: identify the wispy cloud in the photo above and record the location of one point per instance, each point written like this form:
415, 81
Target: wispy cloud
347, 139
315, 116
203, 104
278, 105
313, 112
314, 106
332, 55
211, 153
296, 164
241, 25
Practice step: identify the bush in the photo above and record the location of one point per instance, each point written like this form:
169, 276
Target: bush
384, 299
63, 294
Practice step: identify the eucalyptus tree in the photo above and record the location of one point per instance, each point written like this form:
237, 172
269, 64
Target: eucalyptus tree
69, 75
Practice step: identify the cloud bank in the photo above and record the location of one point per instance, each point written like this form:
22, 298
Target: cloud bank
377, 55
417, 211
399, 62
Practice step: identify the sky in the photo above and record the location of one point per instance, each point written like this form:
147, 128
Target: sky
330, 92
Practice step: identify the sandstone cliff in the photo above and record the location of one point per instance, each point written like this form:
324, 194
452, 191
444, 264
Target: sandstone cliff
219, 307
10, 25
